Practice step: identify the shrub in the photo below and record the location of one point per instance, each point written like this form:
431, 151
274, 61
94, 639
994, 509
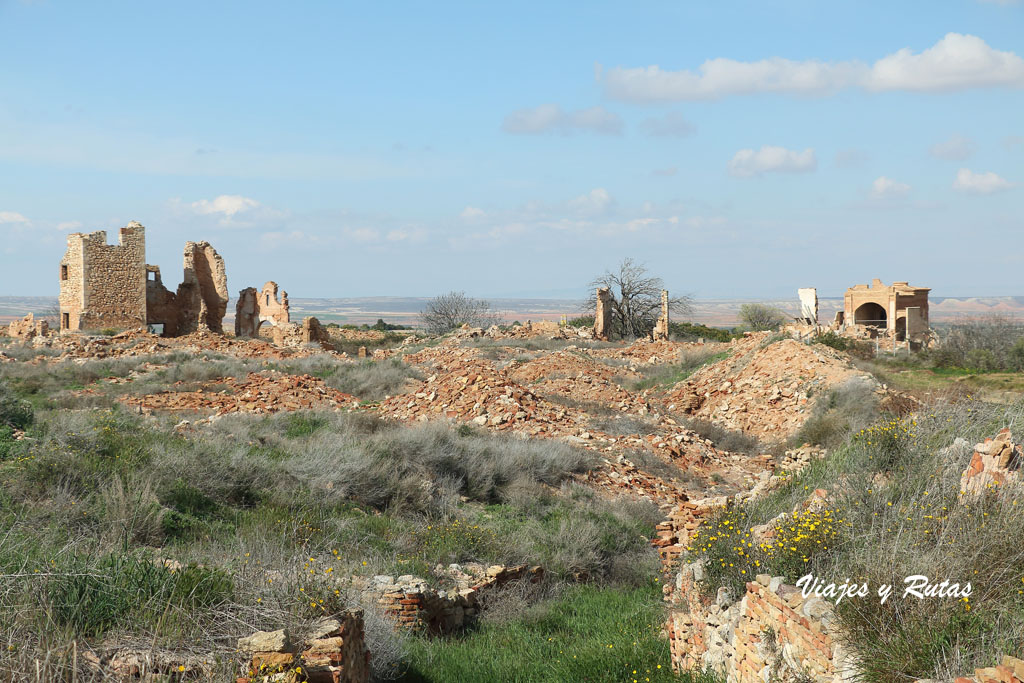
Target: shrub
446, 312
692, 331
14, 412
832, 339
724, 439
581, 321
797, 540
729, 553
761, 317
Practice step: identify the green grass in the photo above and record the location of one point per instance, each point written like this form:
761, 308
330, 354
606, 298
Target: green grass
588, 634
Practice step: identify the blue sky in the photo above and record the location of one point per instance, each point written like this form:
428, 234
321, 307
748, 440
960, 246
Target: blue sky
520, 149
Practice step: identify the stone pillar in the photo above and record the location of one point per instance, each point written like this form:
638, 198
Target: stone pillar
603, 314
661, 327
809, 304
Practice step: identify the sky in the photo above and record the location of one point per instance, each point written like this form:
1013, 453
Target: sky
342, 149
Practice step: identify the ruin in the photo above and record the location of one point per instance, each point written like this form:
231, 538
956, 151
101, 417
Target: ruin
255, 308
28, 327
201, 299
660, 332
111, 285
808, 305
898, 311
603, 314
104, 285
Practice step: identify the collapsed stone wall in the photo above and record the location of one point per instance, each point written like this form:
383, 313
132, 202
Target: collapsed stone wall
104, 285
309, 332
770, 633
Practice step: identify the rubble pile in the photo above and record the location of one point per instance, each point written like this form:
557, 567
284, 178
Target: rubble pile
995, 463
28, 327
764, 391
578, 378
477, 392
255, 393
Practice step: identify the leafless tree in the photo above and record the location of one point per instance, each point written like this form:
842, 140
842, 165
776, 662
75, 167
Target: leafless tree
760, 317
446, 312
636, 299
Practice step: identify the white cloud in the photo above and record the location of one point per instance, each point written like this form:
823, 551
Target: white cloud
956, 148
226, 204
671, 125
979, 183
747, 162
69, 226
887, 188
13, 217
594, 202
956, 62
551, 118
471, 213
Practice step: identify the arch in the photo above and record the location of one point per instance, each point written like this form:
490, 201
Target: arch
870, 314
901, 328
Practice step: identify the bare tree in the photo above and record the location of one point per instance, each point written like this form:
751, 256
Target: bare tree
636, 299
760, 317
446, 312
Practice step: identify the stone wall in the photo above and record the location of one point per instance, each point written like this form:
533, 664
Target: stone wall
770, 633
104, 285
332, 651
203, 293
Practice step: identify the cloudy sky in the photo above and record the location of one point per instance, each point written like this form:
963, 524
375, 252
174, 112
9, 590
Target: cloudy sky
739, 149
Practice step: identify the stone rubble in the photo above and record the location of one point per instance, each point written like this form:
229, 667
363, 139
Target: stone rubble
995, 464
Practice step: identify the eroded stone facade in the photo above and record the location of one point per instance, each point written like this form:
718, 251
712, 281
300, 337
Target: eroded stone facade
104, 285
257, 307
898, 311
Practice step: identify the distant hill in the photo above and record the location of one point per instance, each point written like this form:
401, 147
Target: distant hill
405, 310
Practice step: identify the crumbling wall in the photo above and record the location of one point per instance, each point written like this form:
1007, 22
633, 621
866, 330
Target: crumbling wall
808, 305
161, 303
769, 633
28, 327
309, 332
332, 651
661, 327
202, 296
255, 308
104, 285
603, 314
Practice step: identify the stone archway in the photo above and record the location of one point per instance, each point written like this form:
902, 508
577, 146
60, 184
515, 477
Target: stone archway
872, 314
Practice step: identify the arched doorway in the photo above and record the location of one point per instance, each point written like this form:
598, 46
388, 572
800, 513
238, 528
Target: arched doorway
870, 314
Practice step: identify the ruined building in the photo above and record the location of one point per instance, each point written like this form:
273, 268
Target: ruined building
660, 332
898, 311
255, 308
104, 285
111, 286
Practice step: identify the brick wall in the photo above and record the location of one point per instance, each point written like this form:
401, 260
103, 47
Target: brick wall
333, 651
